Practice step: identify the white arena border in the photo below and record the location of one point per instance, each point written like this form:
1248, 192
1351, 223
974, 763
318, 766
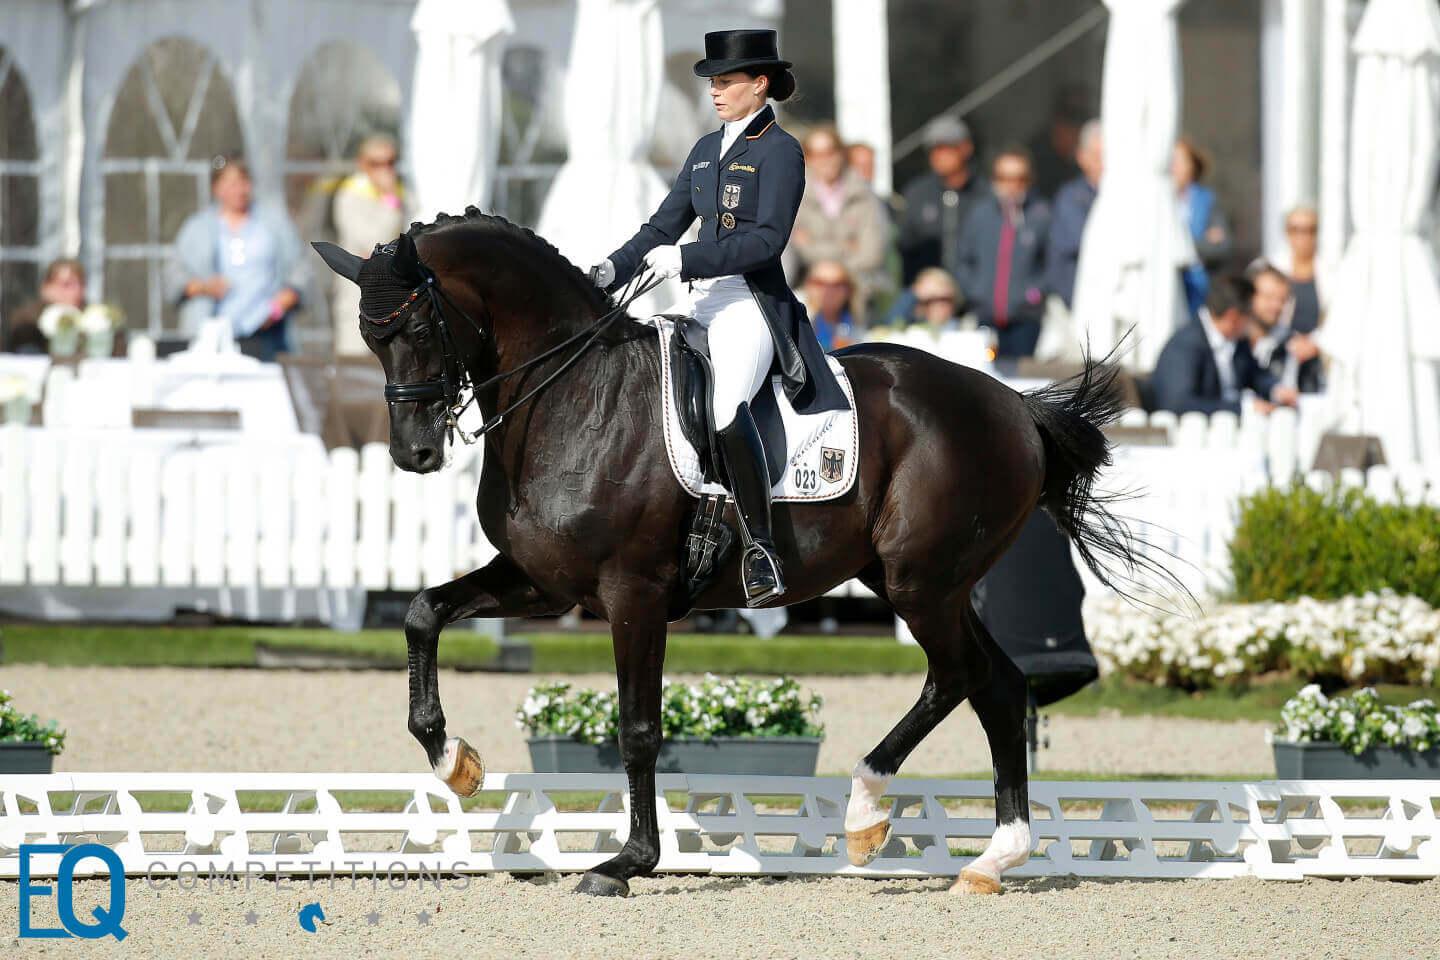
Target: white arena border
1285, 830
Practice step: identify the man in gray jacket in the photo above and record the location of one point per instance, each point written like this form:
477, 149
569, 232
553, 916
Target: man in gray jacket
1002, 256
237, 262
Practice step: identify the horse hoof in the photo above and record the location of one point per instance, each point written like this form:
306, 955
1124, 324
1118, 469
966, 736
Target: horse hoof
461, 768
599, 885
862, 846
973, 881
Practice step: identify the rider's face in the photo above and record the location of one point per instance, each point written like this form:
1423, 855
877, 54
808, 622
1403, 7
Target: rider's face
737, 95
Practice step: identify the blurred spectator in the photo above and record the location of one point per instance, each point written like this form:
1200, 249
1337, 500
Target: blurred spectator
1053, 149
1302, 226
840, 219
1201, 214
1070, 211
238, 262
1292, 357
1002, 256
369, 208
64, 283
932, 300
1208, 361
861, 158
829, 298
936, 204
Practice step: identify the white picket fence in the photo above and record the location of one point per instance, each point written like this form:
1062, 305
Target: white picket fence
118, 513
156, 510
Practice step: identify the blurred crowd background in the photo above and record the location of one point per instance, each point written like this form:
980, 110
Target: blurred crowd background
171, 162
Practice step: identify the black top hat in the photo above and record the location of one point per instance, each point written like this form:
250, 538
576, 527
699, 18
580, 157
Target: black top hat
728, 50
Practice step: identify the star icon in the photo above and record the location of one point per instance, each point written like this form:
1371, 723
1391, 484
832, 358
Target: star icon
373, 917
252, 918
423, 917
194, 917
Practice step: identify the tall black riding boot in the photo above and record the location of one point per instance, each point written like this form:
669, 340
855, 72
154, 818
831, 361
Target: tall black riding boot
750, 486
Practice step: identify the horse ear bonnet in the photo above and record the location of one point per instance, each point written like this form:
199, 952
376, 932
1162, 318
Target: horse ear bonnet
387, 278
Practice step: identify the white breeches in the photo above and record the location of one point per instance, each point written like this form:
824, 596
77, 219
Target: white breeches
740, 346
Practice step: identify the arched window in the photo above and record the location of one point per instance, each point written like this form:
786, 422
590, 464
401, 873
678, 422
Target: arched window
532, 141
343, 95
19, 192
174, 114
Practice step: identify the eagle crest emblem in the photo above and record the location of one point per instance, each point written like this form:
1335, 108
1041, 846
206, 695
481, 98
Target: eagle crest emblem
832, 464
730, 199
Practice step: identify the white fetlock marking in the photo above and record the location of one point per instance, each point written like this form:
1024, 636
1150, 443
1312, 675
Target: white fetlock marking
1008, 848
866, 789
446, 767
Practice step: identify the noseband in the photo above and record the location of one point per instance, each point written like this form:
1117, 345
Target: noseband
455, 376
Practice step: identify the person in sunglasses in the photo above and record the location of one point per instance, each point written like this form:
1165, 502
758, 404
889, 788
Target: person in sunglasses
369, 208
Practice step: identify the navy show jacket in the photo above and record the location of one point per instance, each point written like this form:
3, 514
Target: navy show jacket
1187, 378
746, 203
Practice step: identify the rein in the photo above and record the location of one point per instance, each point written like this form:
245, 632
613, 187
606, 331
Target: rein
456, 376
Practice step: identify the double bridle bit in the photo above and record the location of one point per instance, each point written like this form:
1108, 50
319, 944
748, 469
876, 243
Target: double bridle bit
455, 375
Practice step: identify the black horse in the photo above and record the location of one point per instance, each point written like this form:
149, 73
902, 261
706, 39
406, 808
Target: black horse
577, 496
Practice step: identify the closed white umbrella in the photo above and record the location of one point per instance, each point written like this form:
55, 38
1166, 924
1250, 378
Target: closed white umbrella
1134, 242
607, 187
454, 130
1383, 326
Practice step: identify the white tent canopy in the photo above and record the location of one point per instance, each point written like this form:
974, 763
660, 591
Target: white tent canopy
607, 186
1134, 242
1383, 329
455, 111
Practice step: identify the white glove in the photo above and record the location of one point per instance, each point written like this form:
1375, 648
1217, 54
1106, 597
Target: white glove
603, 274
665, 261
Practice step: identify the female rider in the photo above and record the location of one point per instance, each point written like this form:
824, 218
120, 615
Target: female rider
744, 183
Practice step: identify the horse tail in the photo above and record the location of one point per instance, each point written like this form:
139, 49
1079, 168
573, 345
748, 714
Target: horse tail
1070, 415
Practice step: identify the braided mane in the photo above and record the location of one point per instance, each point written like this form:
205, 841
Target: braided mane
538, 247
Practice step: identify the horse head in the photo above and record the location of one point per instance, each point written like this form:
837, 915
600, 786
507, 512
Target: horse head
422, 352
485, 293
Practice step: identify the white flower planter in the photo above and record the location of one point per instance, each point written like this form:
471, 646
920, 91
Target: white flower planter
1330, 761
778, 756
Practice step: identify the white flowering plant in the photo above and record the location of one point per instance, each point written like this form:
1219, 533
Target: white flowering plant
713, 707
101, 318
58, 319
1374, 638
1358, 722
17, 727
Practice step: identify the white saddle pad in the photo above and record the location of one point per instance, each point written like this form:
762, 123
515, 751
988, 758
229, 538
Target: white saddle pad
823, 448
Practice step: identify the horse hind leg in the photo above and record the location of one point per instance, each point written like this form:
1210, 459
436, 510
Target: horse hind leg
956, 665
1000, 705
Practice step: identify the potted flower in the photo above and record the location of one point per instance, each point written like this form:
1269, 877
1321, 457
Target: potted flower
15, 401
718, 725
61, 325
98, 322
26, 746
1356, 737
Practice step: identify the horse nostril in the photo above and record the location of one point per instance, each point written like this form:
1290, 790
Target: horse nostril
424, 457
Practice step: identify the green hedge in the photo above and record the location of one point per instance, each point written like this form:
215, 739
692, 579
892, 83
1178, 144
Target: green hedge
1296, 542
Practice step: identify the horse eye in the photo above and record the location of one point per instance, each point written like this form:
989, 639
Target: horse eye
422, 332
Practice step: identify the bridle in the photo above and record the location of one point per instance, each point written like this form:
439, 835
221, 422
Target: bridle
456, 377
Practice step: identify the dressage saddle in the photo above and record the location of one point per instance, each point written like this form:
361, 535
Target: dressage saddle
692, 379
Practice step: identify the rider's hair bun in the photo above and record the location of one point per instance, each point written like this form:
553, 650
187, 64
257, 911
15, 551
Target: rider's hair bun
782, 84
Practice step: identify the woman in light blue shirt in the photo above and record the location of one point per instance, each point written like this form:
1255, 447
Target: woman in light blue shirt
238, 262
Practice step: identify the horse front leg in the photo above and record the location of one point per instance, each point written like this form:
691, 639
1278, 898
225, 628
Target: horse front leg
498, 589
639, 641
